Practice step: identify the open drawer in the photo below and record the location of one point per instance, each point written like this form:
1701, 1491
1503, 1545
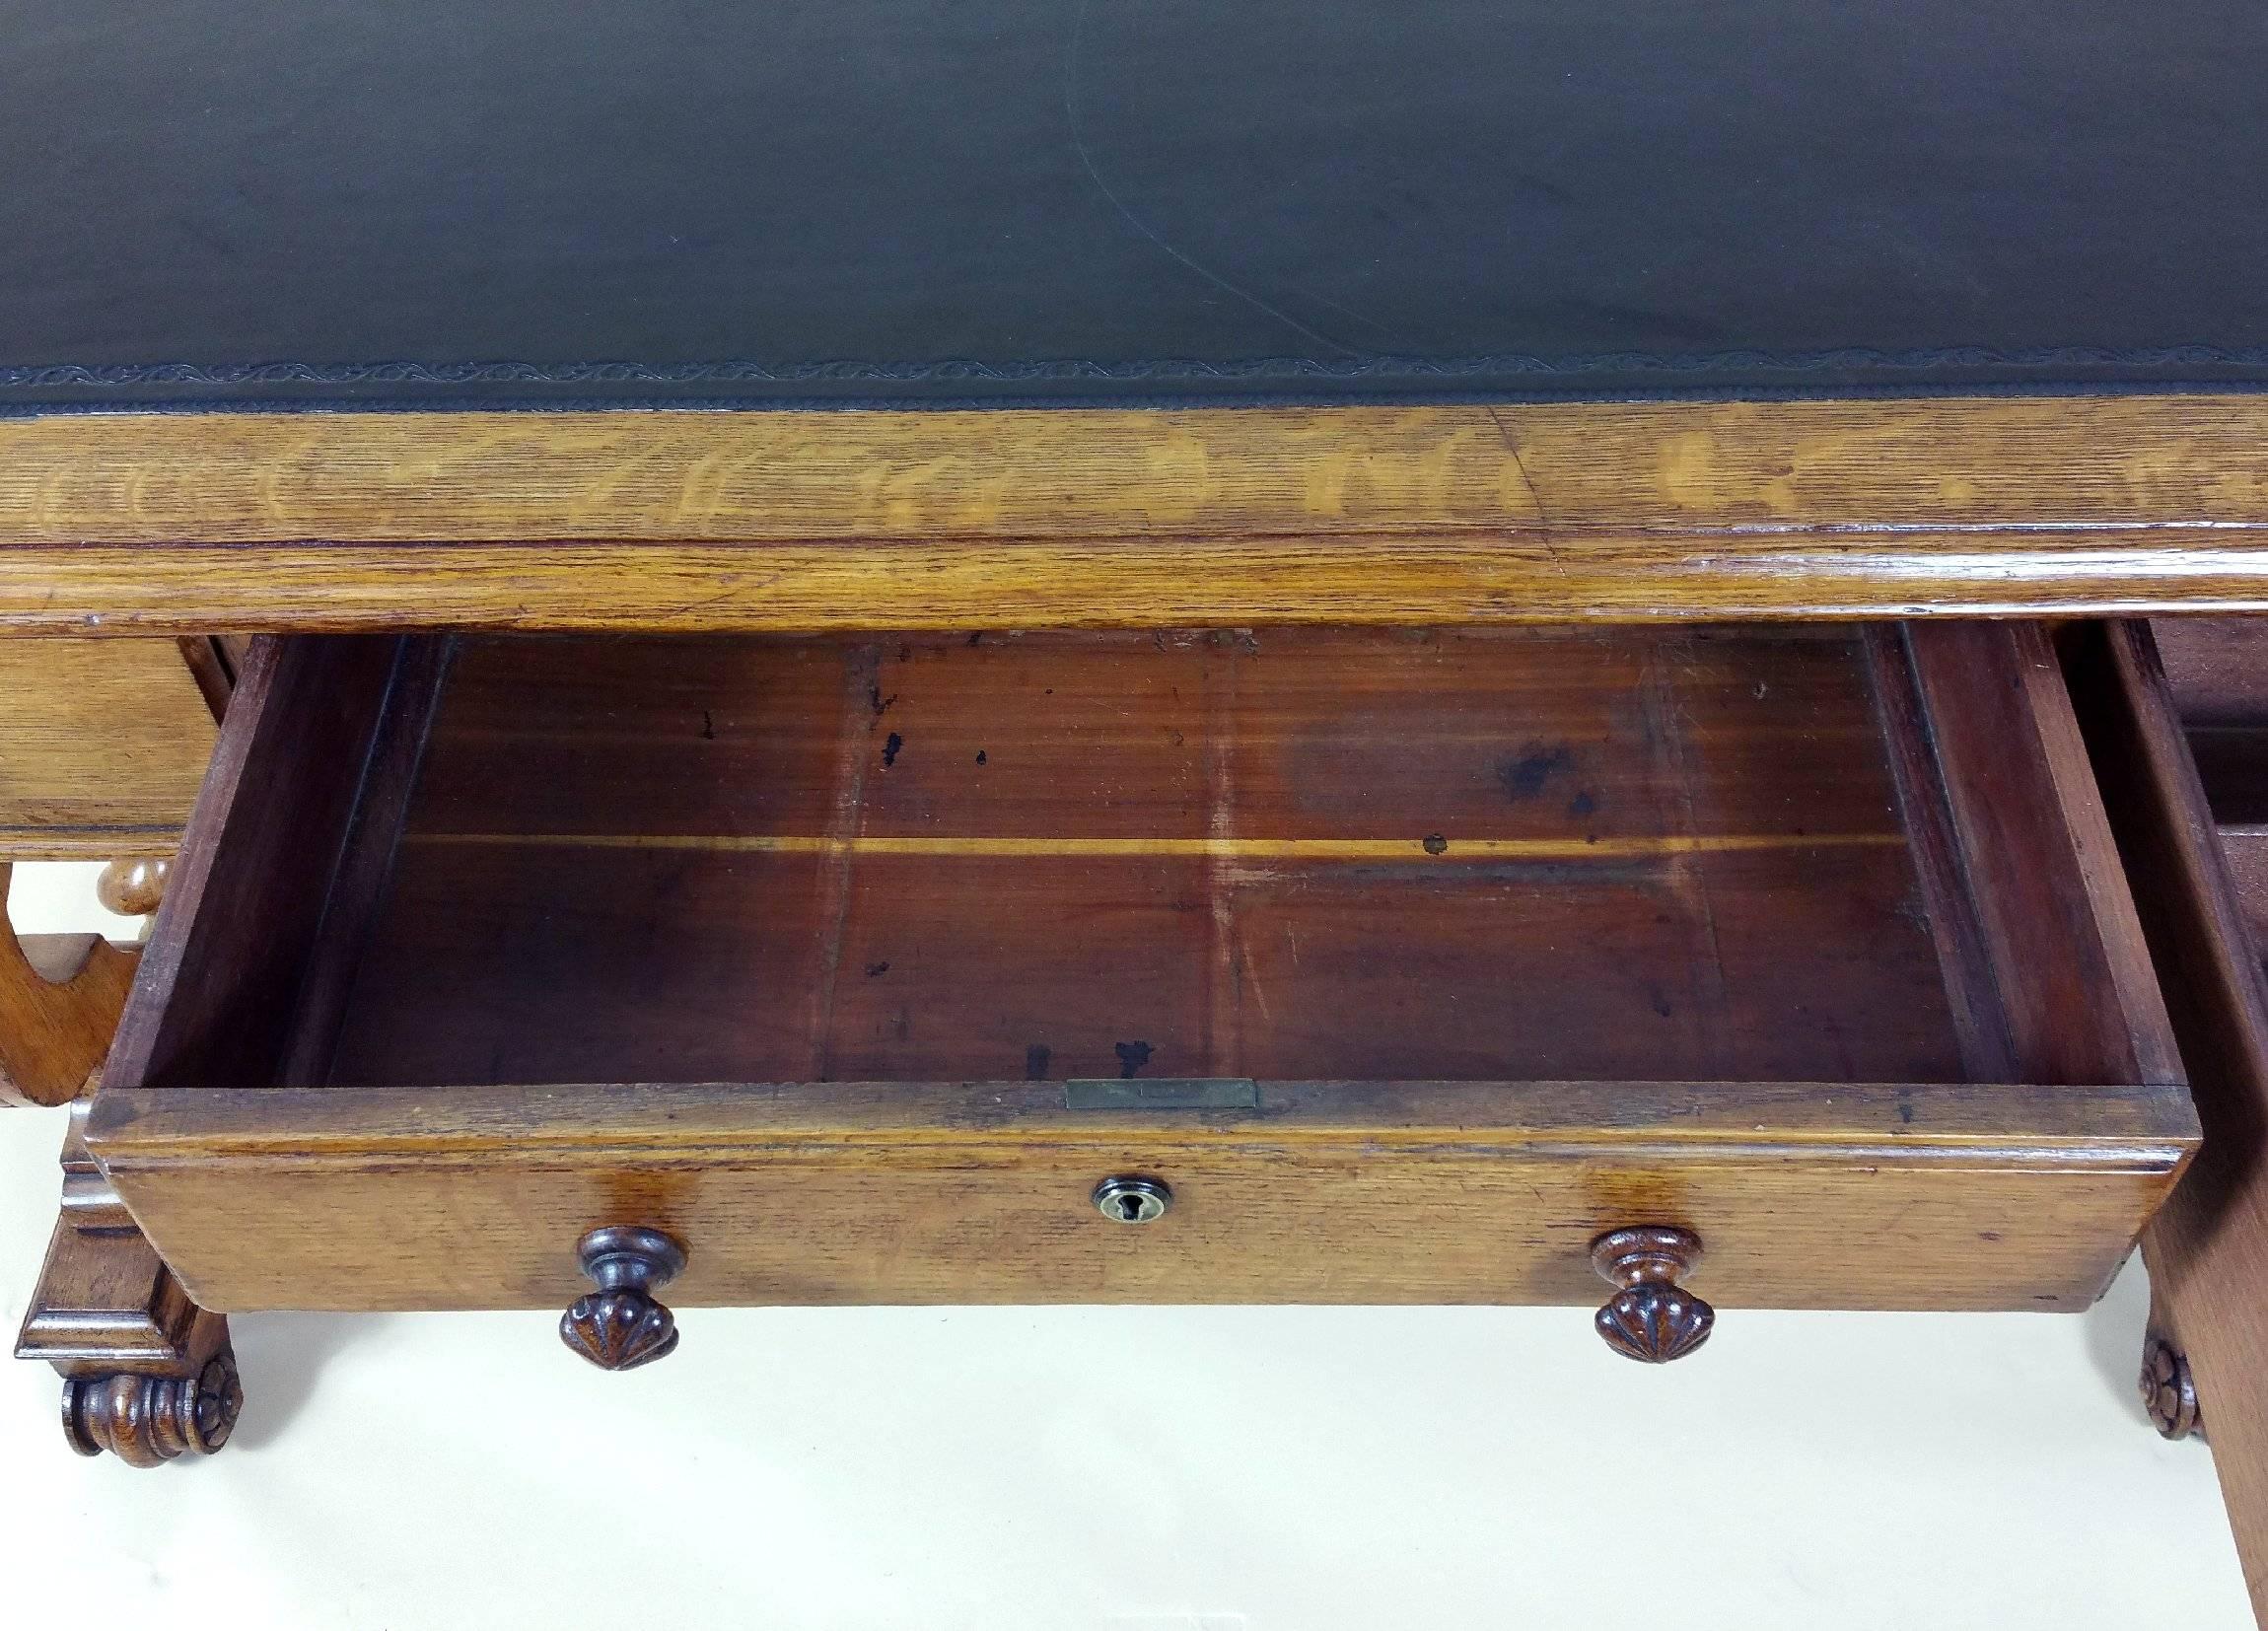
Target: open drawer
1400, 965
2178, 720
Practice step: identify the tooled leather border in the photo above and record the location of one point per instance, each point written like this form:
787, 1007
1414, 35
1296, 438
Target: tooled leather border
1853, 359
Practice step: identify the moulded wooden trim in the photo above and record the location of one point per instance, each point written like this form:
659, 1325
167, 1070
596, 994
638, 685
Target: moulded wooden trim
791, 520
1477, 578
2147, 1128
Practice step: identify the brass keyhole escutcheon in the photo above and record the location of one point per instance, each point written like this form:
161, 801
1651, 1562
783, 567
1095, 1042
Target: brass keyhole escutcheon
1132, 1200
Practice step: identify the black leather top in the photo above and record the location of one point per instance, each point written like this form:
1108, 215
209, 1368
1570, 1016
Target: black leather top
485, 201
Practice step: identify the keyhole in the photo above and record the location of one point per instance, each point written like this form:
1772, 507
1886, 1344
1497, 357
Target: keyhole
1132, 1200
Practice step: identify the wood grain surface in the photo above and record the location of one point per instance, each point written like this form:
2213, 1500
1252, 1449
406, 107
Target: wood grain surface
1807, 1194
2246, 850
1094, 519
2058, 920
102, 744
1613, 853
227, 954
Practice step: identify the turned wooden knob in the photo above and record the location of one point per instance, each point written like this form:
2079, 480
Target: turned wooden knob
619, 1326
133, 888
1652, 1318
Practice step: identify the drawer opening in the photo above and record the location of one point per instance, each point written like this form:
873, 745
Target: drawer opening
1836, 854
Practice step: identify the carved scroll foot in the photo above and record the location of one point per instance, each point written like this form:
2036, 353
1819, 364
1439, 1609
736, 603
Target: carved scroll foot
148, 1421
2169, 1393
147, 1374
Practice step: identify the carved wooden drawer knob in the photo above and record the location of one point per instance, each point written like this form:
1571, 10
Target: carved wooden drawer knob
619, 1326
1652, 1317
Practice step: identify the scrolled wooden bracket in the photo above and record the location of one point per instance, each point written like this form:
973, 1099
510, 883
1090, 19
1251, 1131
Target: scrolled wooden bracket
1652, 1318
621, 1326
54, 1032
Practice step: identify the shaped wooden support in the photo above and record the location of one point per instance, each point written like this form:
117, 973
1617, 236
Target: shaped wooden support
56, 1020
147, 1374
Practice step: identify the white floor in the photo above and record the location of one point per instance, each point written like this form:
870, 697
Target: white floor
1065, 1469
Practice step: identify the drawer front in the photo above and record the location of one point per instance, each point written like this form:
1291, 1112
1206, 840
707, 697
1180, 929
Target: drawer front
1803, 1196
102, 744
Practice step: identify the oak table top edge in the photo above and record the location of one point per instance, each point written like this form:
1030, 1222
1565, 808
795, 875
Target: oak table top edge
812, 520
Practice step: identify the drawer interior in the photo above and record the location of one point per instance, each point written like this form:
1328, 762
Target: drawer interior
1298, 856
1804, 855
2218, 670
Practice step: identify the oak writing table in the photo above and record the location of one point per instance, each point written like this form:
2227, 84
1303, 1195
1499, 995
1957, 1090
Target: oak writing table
1187, 652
